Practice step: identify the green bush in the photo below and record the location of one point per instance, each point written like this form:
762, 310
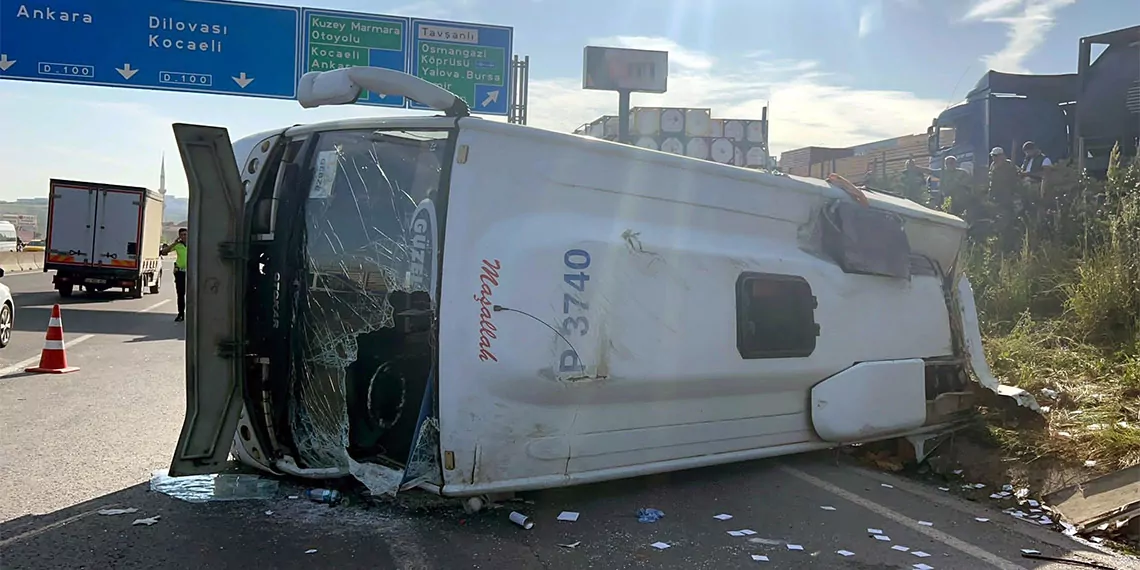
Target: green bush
1056, 274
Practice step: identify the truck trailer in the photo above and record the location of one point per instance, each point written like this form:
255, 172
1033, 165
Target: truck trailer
103, 236
1078, 116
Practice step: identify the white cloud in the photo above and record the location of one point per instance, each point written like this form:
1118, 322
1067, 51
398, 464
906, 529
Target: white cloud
869, 17
808, 107
1028, 22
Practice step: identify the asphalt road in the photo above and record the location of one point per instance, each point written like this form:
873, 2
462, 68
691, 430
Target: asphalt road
74, 444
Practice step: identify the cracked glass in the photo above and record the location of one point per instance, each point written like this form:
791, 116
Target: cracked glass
362, 373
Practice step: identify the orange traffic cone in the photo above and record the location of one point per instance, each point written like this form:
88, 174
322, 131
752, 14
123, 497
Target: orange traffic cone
53, 358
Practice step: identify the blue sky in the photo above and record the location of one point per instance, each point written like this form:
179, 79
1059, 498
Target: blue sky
836, 72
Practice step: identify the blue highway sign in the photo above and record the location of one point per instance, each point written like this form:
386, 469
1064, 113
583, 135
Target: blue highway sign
173, 45
471, 60
240, 48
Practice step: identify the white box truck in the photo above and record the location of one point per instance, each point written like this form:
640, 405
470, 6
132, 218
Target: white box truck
103, 236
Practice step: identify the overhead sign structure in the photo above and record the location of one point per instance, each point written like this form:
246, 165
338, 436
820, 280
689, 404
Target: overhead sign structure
238, 48
620, 69
471, 61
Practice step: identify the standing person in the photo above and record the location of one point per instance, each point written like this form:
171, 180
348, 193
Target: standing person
179, 249
1035, 162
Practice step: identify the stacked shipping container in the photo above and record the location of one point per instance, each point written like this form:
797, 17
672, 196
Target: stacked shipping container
690, 132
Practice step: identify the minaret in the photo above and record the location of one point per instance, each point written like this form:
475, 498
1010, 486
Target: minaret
162, 176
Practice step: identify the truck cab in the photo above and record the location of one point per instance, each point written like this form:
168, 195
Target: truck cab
1005, 110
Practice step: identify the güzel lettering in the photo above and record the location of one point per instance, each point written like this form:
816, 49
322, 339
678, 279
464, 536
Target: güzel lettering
489, 280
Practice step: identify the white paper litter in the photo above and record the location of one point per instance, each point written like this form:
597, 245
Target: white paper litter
294, 497
996, 496
946, 489
925, 523
875, 531
845, 553
760, 558
113, 512
268, 513
735, 533
981, 519
888, 486
1030, 551
795, 547
1032, 503
660, 545
920, 554
900, 548
827, 508
979, 485
571, 545
921, 566
569, 516
1007, 487
310, 551
722, 517
146, 521
747, 532
1045, 520
882, 537
957, 471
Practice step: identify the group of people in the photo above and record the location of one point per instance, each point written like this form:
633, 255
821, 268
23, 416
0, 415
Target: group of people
994, 208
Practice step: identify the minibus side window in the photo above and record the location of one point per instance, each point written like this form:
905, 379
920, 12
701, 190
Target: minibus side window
775, 316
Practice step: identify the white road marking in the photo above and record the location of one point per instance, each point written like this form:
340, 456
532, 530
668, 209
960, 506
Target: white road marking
54, 525
965, 547
21, 365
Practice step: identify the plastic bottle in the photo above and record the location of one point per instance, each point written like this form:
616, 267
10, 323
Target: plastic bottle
322, 495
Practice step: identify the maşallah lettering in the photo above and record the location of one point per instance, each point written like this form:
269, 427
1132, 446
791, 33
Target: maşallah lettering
489, 278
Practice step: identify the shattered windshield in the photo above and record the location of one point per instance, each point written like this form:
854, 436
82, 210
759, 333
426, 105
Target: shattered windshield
365, 310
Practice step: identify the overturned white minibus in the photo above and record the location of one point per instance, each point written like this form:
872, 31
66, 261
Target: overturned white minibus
475, 307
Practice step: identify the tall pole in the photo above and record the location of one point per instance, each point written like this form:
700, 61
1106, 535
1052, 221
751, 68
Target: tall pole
623, 116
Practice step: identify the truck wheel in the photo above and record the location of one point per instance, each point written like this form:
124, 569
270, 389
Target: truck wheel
66, 290
136, 292
157, 282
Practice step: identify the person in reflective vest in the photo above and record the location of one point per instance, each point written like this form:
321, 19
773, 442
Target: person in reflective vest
179, 249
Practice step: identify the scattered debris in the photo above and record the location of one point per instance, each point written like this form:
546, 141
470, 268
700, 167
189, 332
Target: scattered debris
888, 486
568, 516
571, 545
521, 520
925, 523
827, 508
795, 546
900, 548
311, 551
1038, 556
882, 537
113, 512
722, 517
328, 496
649, 515
920, 554
874, 531
845, 553
981, 519
760, 558
216, 487
921, 566
1030, 551
1106, 501
944, 489
660, 545
268, 513
147, 521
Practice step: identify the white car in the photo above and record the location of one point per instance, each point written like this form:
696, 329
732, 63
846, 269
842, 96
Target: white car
7, 313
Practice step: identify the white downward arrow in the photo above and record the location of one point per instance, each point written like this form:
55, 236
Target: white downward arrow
492, 97
5, 63
126, 71
242, 80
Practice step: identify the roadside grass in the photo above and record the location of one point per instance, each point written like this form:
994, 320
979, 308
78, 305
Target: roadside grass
1061, 318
